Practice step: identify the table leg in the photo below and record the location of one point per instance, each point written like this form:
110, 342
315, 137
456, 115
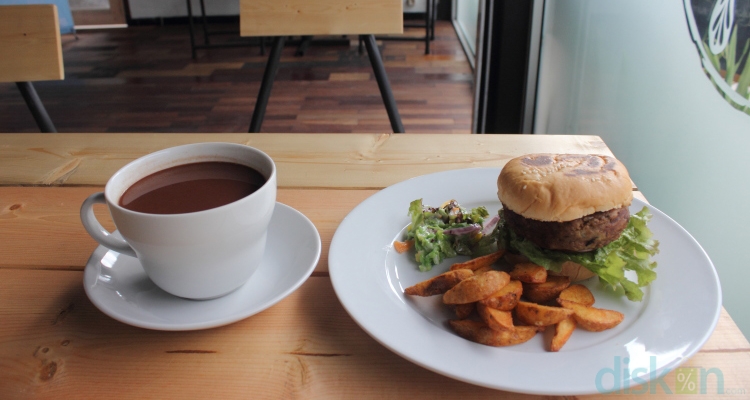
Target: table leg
265, 86
203, 21
37, 108
383, 83
190, 28
434, 18
427, 19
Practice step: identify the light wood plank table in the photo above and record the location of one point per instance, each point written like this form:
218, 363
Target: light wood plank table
55, 344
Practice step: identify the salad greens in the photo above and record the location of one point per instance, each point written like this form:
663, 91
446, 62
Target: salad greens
449, 230
632, 251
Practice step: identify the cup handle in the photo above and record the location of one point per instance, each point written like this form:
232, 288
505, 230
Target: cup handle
97, 231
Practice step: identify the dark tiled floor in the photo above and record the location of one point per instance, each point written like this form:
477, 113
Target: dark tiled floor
142, 79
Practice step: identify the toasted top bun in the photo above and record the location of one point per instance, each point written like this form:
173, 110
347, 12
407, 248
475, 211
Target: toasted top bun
563, 187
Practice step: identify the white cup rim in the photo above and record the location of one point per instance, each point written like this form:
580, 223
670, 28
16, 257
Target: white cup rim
113, 199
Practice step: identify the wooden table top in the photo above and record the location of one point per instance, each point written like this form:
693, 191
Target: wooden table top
55, 343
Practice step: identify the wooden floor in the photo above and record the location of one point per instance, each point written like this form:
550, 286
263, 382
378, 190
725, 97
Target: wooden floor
142, 79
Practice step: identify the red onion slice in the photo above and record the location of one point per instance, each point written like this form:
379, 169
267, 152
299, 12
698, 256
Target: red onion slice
463, 230
490, 225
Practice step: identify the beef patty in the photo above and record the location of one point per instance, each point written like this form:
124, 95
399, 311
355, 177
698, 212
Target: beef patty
579, 235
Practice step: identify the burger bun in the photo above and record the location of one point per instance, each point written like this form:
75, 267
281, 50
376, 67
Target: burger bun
563, 187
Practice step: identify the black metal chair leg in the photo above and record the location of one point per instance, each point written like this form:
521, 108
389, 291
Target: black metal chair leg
36, 107
434, 19
303, 45
383, 84
427, 18
265, 86
191, 28
205, 24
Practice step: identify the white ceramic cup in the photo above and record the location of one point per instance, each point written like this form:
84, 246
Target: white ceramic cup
198, 255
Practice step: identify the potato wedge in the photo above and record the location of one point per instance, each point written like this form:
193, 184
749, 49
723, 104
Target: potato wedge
506, 298
439, 284
479, 332
479, 262
579, 294
539, 315
476, 287
547, 290
463, 311
403, 247
482, 270
563, 330
495, 319
529, 273
593, 319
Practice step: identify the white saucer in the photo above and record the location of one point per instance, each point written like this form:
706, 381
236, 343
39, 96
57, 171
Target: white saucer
119, 287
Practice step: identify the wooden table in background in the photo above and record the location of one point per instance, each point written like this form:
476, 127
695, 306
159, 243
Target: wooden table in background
55, 344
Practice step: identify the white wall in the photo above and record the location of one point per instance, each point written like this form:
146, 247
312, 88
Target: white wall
627, 70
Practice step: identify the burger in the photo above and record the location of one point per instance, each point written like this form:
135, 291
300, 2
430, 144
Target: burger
570, 214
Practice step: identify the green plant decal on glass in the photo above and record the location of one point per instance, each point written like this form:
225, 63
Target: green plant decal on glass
720, 31
727, 63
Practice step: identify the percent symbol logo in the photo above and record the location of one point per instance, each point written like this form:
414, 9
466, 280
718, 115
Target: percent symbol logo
687, 381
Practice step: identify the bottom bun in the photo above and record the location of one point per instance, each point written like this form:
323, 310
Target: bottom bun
576, 272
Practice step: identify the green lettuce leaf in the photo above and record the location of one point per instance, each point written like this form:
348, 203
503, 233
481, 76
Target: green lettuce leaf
631, 252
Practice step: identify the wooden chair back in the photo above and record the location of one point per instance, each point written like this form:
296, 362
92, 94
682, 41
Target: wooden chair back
320, 17
30, 48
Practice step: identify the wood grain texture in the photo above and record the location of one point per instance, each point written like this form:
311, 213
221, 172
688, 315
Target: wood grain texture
320, 17
30, 48
56, 344
307, 161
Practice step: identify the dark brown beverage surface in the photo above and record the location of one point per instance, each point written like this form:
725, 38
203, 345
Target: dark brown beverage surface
192, 187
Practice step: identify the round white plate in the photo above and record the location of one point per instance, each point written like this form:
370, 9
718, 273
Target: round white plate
119, 287
679, 311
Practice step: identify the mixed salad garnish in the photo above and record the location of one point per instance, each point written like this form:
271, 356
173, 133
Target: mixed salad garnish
449, 230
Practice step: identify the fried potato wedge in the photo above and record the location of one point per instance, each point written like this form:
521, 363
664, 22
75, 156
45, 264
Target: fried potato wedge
579, 294
593, 319
480, 333
506, 298
479, 262
563, 330
476, 287
482, 270
403, 247
439, 284
547, 290
496, 319
529, 273
463, 311
539, 315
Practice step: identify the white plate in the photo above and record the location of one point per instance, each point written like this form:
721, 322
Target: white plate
679, 311
119, 287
